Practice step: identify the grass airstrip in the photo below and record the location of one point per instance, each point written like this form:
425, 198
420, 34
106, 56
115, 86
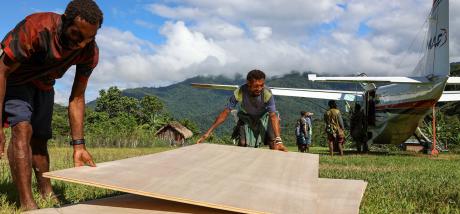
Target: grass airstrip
398, 182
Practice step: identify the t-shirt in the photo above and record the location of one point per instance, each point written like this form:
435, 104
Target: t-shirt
334, 118
254, 106
35, 43
302, 125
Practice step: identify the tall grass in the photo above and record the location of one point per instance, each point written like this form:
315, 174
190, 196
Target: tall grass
135, 139
398, 182
61, 158
401, 182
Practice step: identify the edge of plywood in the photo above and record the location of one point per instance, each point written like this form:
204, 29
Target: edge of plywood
155, 195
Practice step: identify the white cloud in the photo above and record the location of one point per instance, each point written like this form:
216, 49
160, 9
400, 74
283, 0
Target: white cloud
127, 61
144, 24
454, 15
177, 12
289, 19
261, 33
219, 29
235, 36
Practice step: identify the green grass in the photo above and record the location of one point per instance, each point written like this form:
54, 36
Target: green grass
61, 158
397, 182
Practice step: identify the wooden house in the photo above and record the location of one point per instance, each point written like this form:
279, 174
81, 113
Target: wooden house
175, 133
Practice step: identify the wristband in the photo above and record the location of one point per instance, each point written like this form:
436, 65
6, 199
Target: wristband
278, 140
77, 142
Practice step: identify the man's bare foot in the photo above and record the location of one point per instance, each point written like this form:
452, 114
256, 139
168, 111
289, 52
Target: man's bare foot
29, 206
49, 195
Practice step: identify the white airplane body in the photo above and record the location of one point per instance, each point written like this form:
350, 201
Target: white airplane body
394, 111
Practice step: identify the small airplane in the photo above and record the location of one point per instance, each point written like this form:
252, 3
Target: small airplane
395, 109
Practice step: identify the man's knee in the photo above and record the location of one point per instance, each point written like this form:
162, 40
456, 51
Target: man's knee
21, 132
20, 147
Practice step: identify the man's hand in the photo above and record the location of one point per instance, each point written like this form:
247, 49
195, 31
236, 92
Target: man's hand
203, 138
2, 142
280, 147
81, 156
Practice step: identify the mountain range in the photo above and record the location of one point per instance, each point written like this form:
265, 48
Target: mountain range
203, 105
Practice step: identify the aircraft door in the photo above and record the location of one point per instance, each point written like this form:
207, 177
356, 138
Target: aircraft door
370, 107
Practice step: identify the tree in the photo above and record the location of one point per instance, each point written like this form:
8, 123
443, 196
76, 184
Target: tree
151, 107
192, 126
111, 102
60, 122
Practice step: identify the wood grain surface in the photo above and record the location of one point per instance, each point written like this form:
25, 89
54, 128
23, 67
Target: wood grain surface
335, 197
230, 178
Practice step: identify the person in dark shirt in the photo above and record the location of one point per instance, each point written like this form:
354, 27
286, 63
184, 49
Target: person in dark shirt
358, 129
39, 50
302, 132
258, 121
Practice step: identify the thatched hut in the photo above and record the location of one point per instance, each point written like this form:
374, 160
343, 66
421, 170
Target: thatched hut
175, 133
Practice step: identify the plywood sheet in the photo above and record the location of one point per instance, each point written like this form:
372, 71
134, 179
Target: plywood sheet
340, 196
130, 204
335, 196
224, 177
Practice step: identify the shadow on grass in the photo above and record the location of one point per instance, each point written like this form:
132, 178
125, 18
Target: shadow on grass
9, 191
62, 190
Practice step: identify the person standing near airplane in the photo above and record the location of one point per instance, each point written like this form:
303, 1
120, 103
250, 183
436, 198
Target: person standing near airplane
309, 126
334, 127
39, 50
358, 129
301, 132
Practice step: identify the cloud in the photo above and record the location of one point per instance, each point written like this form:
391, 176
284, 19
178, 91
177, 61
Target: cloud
219, 29
234, 36
176, 13
127, 61
454, 15
288, 18
261, 33
145, 24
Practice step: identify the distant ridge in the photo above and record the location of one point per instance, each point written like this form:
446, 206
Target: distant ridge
202, 105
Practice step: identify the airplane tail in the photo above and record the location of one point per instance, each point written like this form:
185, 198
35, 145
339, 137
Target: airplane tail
436, 59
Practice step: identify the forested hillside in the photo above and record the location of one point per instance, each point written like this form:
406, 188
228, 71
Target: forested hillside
203, 105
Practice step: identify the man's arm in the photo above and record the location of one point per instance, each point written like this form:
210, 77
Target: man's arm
6, 67
76, 119
271, 108
278, 144
219, 120
275, 124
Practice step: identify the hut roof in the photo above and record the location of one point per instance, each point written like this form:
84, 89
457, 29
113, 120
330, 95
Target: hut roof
178, 127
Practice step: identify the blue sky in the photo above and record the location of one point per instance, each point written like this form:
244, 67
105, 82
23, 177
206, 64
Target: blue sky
156, 43
123, 14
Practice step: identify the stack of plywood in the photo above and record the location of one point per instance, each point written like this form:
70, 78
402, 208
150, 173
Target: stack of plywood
208, 178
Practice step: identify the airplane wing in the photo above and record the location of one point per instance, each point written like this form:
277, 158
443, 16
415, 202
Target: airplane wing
318, 94
450, 96
296, 92
359, 79
215, 86
453, 81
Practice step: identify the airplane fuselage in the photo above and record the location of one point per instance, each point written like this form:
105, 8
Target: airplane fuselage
399, 108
